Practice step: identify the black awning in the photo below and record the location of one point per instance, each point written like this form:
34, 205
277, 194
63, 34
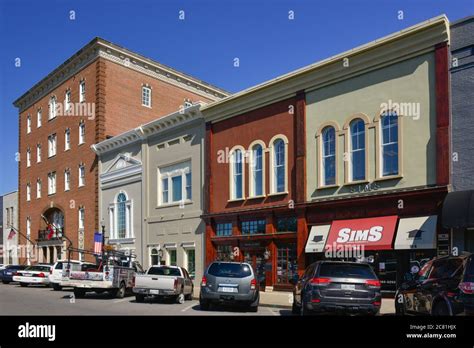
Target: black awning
458, 210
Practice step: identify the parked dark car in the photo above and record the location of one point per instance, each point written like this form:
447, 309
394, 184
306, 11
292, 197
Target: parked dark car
229, 283
8, 272
443, 286
337, 287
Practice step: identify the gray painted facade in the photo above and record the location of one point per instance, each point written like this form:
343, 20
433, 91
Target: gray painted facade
462, 118
10, 218
166, 221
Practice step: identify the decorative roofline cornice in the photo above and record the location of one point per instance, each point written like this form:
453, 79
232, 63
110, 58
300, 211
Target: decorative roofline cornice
101, 48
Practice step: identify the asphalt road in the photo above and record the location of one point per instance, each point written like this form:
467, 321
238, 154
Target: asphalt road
38, 300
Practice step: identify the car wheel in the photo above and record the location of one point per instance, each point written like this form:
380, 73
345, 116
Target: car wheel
441, 309
57, 287
24, 285
140, 298
5, 282
121, 291
254, 305
204, 305
189, 297
78, 293
180, 298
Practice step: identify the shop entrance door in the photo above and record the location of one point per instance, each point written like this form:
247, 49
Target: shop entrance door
257, 260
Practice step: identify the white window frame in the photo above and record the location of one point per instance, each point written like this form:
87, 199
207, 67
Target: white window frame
232, 185
252, 181
28, 157
82, 91
28, 192
82, 133
82, 175
52, 142
67, 139
273, 173
67, 100
81, 214
51, 183
39, 115
52, 108
146, 90
113, 217
38, 153
28, 124
168, 173
38, 188
352, 151
67, 180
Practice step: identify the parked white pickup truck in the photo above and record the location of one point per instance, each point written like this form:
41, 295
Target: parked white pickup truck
164, 281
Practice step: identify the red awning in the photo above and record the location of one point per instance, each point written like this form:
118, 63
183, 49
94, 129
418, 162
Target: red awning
372, 233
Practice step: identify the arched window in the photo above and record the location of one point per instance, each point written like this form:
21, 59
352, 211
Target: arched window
121, 216
328, 156
154, 257
257, 170
279, 165
237, 175
389, 142
357, 149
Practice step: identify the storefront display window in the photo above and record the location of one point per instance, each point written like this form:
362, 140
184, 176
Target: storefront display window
287, 263
224, 253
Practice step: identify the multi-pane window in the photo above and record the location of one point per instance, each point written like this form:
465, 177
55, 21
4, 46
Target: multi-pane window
224, 253
389, 140
38, 188
328, 156
52, 108
38, 153
67, 100
82, 91
39, 117
81, 218
175, 183
82, 133
121, 216
286, 224
67, 139
52, 145
154, 257
224, 229
28, 228
51, 183
67, 180
287, 263
28, 157
28, 124
172, 255
191, 262
257, 170
279, 166
146, 96
237, 175
82, 175
253, 226
357, 148
28, 192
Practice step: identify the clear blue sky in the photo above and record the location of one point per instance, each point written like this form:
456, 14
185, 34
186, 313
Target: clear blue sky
204, 45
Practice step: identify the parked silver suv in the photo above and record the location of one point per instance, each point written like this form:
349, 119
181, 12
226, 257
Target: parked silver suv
229, 283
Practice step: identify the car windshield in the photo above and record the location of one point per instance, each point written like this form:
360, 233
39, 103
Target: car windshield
230, 270
59, 265
166, 271
469, 275
38, 268
341, 270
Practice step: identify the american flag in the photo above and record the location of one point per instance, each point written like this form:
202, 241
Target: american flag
11, 234
97, 243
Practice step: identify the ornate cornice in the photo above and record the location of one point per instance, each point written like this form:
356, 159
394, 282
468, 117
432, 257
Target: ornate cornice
101, 48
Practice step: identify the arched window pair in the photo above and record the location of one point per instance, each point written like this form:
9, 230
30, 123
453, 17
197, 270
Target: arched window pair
120, 215
358, 150
256, 155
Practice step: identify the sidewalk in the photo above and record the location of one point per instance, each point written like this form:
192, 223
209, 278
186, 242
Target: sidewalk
282, 299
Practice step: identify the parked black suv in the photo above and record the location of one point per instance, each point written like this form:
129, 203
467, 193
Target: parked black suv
338, 287
443, 286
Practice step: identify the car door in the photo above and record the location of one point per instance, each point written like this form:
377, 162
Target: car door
411, 291
301, 283
430, 288
188, 284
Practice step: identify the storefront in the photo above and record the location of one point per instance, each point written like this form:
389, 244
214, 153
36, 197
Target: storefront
458, 218
392, 245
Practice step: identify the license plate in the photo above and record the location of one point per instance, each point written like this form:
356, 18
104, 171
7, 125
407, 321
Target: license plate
154, 292
347, 286
27, 275
227, 289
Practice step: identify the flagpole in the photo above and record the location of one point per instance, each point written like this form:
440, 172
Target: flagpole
28, 239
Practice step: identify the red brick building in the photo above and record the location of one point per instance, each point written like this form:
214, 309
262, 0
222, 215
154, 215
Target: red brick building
99, 92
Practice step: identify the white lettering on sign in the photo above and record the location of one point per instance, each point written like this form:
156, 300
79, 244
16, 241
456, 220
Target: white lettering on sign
373, 234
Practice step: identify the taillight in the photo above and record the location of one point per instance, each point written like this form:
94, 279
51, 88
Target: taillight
467, 287
315, 300
253, 284
41, 275
320, 281
373, 283
377, 303
204, 281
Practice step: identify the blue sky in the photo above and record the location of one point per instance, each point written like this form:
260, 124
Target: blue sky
204, 45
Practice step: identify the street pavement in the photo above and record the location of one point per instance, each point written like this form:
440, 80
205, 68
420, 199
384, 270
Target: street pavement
38, 300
